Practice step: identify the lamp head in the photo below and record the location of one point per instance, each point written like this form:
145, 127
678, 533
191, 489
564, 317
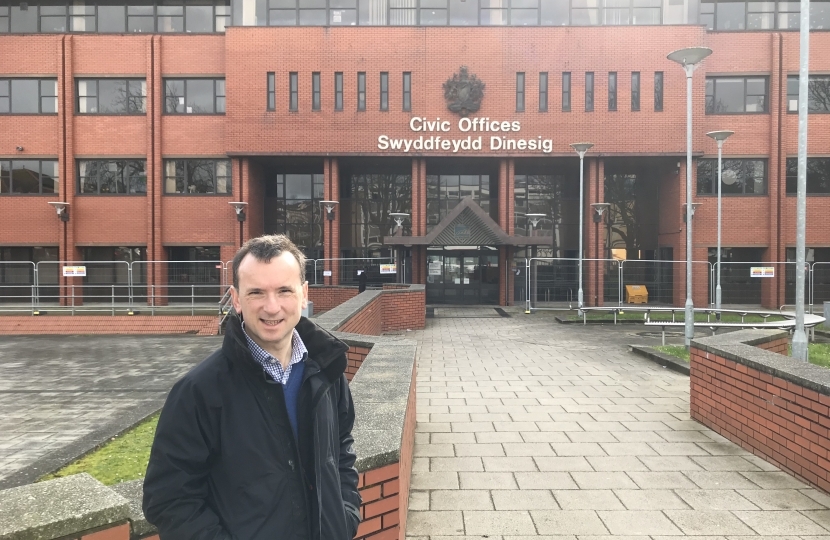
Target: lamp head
581, 147
720, 136
689, 56
399, 218
600, 209
329, 206
62, 208
239, 207
534, 219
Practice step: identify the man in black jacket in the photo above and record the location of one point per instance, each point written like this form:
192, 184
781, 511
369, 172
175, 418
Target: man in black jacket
255, 442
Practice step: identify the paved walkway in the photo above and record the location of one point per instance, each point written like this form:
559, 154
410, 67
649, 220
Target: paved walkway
532, 429
60, 395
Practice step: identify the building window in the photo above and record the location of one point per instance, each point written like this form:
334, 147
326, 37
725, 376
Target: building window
612, 91
194, 96
635, 90
112, 177
28, 96
407, 91
731, 15
272, 91
338, 91
543, 92
520, 92
111, 96
551, 195
736, 95
658, 91
818, 94
29, 177
818, 176
566, 92
315, 91
197, 176
293, 91
384, 91
294, 207
361, 91
739, 177
445, 191
589, 91
52, 17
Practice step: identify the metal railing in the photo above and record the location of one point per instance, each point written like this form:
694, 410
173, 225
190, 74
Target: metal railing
158, 286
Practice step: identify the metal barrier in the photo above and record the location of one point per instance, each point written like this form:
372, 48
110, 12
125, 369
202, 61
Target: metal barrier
740, 285
186, 280
18, 285
349, 266
819, 284
659, 278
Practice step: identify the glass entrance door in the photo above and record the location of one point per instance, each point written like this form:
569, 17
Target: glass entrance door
463, 276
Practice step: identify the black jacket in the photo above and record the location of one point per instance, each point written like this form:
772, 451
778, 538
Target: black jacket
225, 463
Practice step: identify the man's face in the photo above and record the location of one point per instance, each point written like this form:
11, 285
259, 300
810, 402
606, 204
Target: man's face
270, 298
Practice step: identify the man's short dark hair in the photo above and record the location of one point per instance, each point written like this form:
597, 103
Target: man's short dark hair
264, 248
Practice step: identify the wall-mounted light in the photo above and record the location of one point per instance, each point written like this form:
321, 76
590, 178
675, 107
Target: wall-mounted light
599, 209
399, 218
694, 209
62, 208
18, 148
329, 206
239, 207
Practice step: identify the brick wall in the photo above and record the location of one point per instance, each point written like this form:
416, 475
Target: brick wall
385, 490
403, 310
326, 297
355, 357
782, 422
368, 321
203, 325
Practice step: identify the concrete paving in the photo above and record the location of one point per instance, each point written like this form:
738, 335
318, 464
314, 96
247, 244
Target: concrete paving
529, 429
61, 395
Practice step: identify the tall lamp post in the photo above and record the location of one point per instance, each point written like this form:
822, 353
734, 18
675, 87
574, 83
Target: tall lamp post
720, 137
581, 149
689, 59
399, 218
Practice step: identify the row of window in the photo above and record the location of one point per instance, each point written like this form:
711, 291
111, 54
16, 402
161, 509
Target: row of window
191, 16
589, 91
117, 176
749, 176
207, 16
316, 92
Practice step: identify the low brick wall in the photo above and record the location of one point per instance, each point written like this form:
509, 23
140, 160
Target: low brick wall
326, 297
203, 325
368, 321
744, 388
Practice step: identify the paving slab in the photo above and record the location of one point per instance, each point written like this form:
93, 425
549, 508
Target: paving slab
577, 439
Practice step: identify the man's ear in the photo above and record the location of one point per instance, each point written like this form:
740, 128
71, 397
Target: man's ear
305, 294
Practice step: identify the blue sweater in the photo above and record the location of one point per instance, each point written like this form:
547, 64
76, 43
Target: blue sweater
292, 391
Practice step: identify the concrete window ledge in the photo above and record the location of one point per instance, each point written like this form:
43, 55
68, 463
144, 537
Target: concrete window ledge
744, 387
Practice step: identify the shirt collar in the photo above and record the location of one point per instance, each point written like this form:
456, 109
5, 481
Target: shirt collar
263, 357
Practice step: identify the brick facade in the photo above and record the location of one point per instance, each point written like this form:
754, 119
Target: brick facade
782, 422
250, 135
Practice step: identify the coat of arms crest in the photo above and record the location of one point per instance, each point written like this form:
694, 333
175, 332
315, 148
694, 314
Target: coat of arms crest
463, 92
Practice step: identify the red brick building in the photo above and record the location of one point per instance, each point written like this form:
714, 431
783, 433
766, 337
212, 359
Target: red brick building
147, 120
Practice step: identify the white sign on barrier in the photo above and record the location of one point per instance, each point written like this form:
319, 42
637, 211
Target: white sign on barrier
72, 271
762, 271
388, 269
326, 273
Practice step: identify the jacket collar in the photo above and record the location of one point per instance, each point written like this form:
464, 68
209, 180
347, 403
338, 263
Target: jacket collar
325, 350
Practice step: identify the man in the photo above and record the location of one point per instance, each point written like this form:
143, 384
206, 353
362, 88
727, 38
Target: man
255, 442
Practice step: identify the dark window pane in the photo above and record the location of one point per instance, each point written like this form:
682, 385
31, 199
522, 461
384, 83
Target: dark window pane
25, 96
112, 96
49, 177
730, 15
111, 19
25, 176
298, 186
199, 19
200, 96
174, 96
23, 21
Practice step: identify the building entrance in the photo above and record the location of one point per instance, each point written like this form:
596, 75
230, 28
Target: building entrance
463, 275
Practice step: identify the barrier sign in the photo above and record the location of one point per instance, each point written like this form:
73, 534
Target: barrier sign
762, 271
388, 269
326, 273
74, 271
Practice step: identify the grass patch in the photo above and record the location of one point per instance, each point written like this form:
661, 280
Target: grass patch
679, 316
817, 353
678, 351
122, 459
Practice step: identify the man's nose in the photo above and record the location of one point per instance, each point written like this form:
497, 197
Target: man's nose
272, 303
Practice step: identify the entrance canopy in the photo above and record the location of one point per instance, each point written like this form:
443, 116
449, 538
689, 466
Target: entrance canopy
467, 225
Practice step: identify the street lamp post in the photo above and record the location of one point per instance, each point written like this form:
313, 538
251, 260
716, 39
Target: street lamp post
689, 59
532, 220
720, 137
599, 210
581, 149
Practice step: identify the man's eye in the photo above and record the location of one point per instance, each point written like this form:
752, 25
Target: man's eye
255, 294
286, 292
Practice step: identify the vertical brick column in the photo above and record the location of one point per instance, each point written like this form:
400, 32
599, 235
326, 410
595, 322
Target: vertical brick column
773, 290
155, 84
504, 178
595, 234
419, 218
66, 246
152, 168
243, 189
